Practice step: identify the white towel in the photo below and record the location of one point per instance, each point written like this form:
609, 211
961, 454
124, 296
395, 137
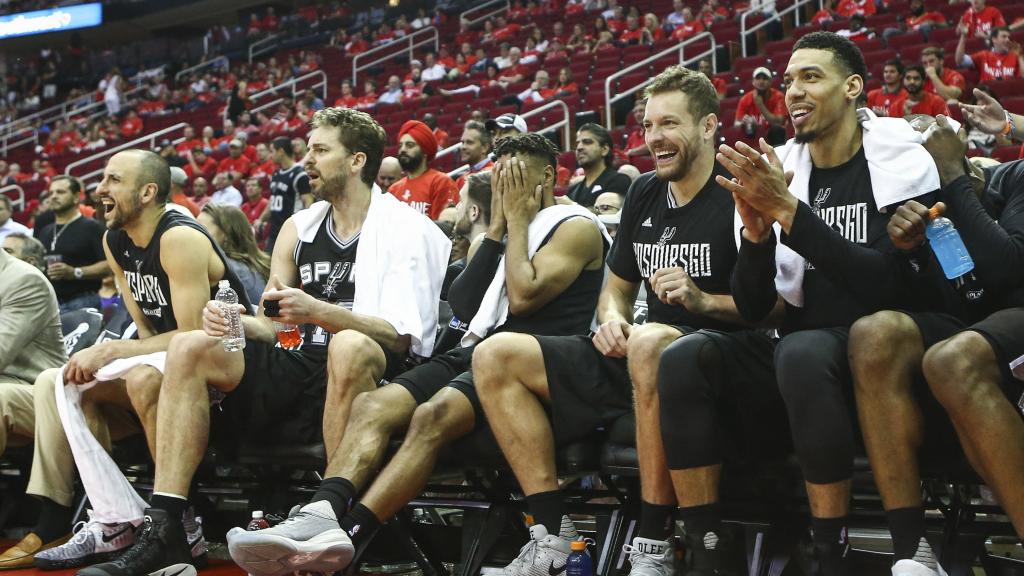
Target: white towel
494, 307
111, 496
899, 167
401, 261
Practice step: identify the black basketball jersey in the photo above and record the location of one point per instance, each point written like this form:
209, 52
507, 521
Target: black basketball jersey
326, 271
146, 277
286, 189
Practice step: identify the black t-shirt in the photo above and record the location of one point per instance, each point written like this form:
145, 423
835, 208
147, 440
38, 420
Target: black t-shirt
80, 243
326, 271
608, 181
697, 237
147, 279
286, 190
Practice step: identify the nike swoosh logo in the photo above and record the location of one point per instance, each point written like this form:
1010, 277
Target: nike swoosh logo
175, 573
552, 571
116, 534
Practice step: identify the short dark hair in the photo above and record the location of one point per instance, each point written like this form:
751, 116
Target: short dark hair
153, 168
530, 144
357, 132
843, 50
73, 183
478, 189
32, 248
285, 145
936, 51
481, 128
897, 64
995, 31
604, 137
916, 68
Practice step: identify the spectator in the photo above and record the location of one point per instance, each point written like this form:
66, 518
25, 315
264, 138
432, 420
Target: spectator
880, 99
949, 84
634, 33
1004, 60
711, 11
224, 191
390, 172
826, 15
556, 51
764, 106
917, 100
676, 17
475, 151
232, 231
856, 30
422, 20
74, 248
636, 145
653, 27
200, 164
594, 153
705, 68
440, 135
393, 94
27, 249
368, 101
347, 98
200, 192
179, 181
255, 203
236, 164
539, 90
432, 70
264, 167
608, 203
506, 125
847, 8
299, 147
979, 20
7, 224
131, 126
112, 87
423, 188
270, 22
691, 27
921, 20
504, 30
188, 141
311, 100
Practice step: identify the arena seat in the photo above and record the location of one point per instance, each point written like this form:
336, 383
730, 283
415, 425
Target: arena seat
80, 328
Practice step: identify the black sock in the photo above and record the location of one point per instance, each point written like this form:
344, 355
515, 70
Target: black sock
831, 543
547, 509
54, 521
699, 520
907, 528
360, 523
174, 506
656, 520
829, 531
339, 492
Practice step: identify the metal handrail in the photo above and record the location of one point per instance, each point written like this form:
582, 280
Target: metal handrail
202, 65
683, 61
292, 83
565, 125
322, 84
150, 138
407, 39
505, 7
264, 46
27, 136
18, 203
776, 16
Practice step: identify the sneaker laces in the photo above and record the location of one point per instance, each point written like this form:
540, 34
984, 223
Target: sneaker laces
710, 541
529, 550
637, 557
81, 534
141, 543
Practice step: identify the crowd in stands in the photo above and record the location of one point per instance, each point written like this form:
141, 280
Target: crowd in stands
527, 245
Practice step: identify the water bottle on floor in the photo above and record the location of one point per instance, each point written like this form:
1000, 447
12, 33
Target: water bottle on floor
948, 246
578, 563
234, 340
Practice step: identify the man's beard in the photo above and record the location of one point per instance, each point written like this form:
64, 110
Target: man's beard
805, 137
330, 188
126, 213
410, 163
685, 159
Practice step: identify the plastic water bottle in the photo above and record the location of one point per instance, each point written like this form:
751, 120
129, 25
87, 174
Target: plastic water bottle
948, 246
578, 563
258, 522
234, 340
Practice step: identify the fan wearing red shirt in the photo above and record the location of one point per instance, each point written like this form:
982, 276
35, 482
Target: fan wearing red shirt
505, 31
131, 126
917, 101
979, 19
190, 141
1002, 61
947, 84
423, 188
636, 145
705, 68
368, 101
763, 106
200, 165
689, 27
270, 21
347, 98
880, 99
264, 167
848, 8
255, 203
920, 19
236, 163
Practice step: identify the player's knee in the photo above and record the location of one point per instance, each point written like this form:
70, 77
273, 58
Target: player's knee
881, 342
496, 356
952, 368
42, 388
143, 386
190, 347
678, 381
367, 406
354, 352
797, 357
646, 343
427, 422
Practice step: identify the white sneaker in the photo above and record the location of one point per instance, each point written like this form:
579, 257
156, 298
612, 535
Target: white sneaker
94, 542
650, 557
309, 541
914, 568
543, 555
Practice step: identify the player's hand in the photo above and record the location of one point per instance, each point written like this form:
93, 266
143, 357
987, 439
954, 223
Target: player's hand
756, 226
674, 287
215, 319
295, 305
497, 226
987, 115
612, 338
946, 149
83, 365
522, 201
759, 180
907, 224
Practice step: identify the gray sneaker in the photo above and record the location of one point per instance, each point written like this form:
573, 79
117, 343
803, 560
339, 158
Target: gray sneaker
93, 542
308, 541
194, 537
650, 557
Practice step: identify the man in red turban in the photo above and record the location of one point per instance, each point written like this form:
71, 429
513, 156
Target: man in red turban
423, 188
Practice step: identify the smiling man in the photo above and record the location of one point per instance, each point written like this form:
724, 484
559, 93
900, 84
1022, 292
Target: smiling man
835, 264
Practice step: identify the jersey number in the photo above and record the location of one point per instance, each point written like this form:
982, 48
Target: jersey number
276, 203
319, 335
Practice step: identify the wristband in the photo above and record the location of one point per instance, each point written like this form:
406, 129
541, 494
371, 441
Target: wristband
1010, 127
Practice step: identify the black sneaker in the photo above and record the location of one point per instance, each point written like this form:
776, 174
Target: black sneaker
712, 554
160, 550
827, 559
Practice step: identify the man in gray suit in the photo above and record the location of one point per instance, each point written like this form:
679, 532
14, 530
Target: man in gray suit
30, 342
